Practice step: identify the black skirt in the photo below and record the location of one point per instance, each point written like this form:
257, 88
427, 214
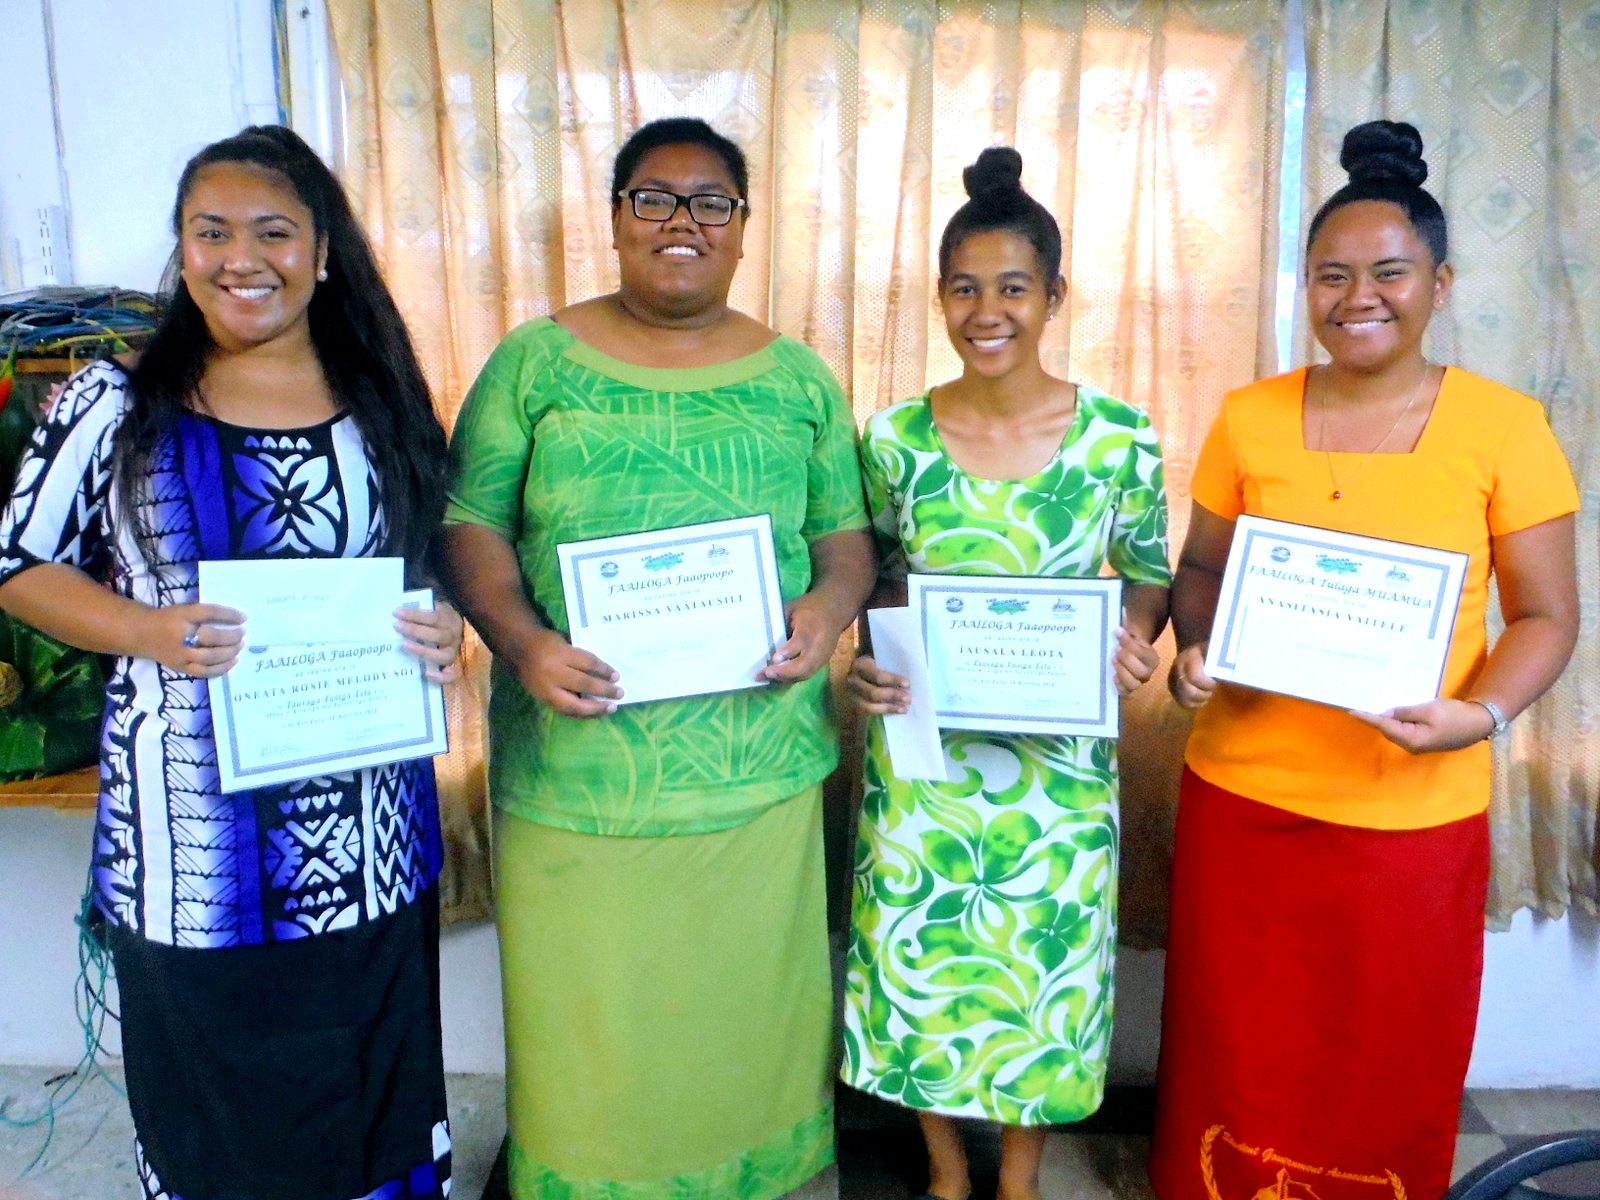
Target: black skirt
302, 1070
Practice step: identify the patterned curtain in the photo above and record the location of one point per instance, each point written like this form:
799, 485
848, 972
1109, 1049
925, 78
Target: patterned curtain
482, 134
1506, 97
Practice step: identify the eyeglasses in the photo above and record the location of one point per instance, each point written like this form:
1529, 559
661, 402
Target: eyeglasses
707, 208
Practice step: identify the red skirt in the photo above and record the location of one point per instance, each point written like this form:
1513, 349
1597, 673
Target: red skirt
1321, 998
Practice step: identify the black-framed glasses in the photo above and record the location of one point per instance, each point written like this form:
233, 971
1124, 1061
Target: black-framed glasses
707, 208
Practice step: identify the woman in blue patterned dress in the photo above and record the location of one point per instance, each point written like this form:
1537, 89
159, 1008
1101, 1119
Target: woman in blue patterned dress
276, 950
984, 928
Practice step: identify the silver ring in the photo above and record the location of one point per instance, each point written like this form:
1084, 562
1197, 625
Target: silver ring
192, 638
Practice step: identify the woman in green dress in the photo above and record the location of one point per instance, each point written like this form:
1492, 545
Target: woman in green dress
984, 928
659, 874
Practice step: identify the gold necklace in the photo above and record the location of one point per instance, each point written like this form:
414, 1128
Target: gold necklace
1322, 433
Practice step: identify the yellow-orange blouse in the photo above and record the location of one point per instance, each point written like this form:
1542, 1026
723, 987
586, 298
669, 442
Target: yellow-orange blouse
1486, 464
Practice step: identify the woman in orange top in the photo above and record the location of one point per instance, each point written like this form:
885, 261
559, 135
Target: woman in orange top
1328, 882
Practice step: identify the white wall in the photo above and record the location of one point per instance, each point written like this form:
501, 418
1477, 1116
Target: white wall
142, 84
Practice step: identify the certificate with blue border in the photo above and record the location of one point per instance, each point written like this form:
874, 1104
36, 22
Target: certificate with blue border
1020, 655
1355, 622
677, 612
298, 710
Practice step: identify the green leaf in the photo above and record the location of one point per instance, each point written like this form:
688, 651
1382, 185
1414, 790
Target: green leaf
21, 748
1005, 841
948, 857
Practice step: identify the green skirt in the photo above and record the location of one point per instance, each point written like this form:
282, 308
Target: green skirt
668, 1009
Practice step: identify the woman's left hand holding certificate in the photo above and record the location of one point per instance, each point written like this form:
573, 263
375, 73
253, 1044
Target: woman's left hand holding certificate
433, 635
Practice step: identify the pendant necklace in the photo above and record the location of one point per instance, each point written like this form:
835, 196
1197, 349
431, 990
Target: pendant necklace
1322, 434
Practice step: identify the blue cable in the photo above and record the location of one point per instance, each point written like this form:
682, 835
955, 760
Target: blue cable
93, 1009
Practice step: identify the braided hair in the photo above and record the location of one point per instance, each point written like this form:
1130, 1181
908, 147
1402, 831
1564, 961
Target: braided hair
998, 201
1384, 161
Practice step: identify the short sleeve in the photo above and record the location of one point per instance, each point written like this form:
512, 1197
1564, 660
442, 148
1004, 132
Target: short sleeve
833, 474
883, 505
57, 509
1217, 484
1137, 549
1532, 480
493, 437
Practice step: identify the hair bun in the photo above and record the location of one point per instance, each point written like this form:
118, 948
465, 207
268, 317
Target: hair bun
1382, 151
998, 169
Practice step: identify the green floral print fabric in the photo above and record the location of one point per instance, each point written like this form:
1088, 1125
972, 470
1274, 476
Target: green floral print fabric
983, 934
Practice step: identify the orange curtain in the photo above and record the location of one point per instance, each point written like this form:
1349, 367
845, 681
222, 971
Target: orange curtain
481, 138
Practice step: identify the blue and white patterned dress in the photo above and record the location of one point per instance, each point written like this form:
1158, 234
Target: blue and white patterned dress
175, 859
176, 862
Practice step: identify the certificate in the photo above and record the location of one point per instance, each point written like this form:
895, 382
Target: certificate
677, 612
1355, 622
1020, 655
294, 710
306, 601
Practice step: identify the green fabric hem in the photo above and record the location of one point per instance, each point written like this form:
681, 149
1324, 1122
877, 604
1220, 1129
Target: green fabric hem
455, 514
778, 1165
986, 1112
672, 379
762, 798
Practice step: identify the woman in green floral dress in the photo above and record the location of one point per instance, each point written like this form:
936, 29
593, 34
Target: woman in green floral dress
984, 927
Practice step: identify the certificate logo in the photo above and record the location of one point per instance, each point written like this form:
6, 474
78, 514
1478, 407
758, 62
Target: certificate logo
954, 604
1335, 565
1397, 575
608, 570
1280, 554
1063, 607
717, 551
1008, 607
662, 562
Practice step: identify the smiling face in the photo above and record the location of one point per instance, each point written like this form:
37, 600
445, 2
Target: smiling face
250, 255
1372, 286
678, 267
996, 302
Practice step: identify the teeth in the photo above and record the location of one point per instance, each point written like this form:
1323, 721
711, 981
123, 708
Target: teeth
989, 343
1363, 324
682, 251
254, 293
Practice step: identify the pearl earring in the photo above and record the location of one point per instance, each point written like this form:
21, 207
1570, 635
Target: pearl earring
322, 275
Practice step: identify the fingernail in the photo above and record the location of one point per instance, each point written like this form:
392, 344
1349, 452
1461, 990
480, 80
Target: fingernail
611, 708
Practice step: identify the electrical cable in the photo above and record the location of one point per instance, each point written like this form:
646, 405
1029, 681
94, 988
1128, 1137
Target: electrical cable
93, 1008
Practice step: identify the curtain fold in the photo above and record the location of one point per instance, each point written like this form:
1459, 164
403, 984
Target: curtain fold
1506, 98
482, 134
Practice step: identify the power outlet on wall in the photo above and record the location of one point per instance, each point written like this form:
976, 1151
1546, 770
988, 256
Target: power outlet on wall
54, 261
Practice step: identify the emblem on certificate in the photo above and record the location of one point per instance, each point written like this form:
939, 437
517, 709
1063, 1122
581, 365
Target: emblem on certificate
1020, 655
1351, 621
677, 612
323, 684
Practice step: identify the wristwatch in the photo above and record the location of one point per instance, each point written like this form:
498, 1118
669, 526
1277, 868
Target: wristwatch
1501, 721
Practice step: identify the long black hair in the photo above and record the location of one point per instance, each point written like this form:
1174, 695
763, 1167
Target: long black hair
359, 337
1384, 161
998, 201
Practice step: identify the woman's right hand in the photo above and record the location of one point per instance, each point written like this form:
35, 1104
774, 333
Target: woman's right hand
876, 690
1188, 682
562, 677
202, 640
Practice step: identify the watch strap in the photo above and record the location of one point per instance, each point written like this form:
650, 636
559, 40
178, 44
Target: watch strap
1501, 721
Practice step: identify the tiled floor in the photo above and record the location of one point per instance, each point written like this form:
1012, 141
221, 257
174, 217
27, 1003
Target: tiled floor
880, 1148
